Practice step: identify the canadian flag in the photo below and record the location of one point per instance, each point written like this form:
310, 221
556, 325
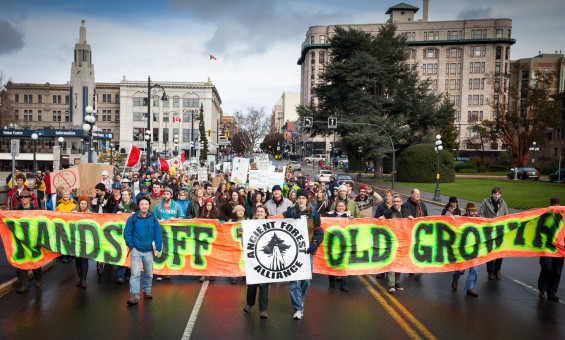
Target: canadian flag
134, 158
167, 164
177, 120
213, 58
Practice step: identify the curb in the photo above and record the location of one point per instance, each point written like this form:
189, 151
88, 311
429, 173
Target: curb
11, 284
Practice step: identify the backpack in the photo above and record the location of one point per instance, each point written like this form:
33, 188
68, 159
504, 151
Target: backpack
49, 203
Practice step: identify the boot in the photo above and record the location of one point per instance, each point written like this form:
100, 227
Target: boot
79, 272
83, 277
23, 279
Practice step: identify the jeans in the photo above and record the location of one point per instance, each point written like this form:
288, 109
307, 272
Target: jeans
122, 272
298, 291
344, 280
137, 258
263, 295
494, 266
471, 277
393, 279
550, 274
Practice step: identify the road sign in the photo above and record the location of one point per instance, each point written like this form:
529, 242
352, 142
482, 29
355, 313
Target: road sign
332, 123
308, 122
15, 147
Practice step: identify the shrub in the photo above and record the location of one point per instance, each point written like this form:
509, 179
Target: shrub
498, 168
418, 164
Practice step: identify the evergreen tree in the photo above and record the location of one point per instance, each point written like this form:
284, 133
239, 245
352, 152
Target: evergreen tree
203, 137
368, 81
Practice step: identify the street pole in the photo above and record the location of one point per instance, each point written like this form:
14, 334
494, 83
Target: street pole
438, 148
163, 98
61, 143
34, 137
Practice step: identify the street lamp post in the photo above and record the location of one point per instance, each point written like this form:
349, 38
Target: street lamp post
360, 151
111, 154
89, 127
157, 88
176, 144
34, 137
534, 148
147, 150
438, 148
61, 143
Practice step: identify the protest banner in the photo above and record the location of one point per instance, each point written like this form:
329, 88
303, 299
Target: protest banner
258, 179
202, 175
262, 162
67, 178
275, 250
350, 246
226, 166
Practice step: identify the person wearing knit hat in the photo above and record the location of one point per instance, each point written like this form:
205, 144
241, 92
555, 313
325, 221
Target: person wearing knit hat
209, 210
278, 204
452, 208
303, 208
366, 199
350, 204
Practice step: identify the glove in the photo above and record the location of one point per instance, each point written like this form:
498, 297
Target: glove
296, 216
312, 248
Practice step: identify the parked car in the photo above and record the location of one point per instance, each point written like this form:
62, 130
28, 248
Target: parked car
556, 177
314, 158
342, 179
524, 173
295, 165
324, 176
342, 159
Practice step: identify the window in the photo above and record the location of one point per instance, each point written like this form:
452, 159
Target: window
155, 134
499, 53
176, 101
138, 116
431, 35
499, 32
452, 84
67, 116
321, 57
453, 68
312, 57
431, 53
190, 102
476, 83
39, 99
28, 99
507, 54
16, 98
458, 118
117, 116
166, 135
117, 97
453, 53
455, 99
410, 36
67, 99
474, 116
454, 35
106, 98
139, 101
155, 116
17, 114
28, 115
165, 117
322, 39
312, 72
138, 134
56, 116
497, 67
56, 99
477, 67
429, 68
311, 39
509, 33
411, 53
478, 34
476, 99
39, 115
186, 134
478, 50
434, 84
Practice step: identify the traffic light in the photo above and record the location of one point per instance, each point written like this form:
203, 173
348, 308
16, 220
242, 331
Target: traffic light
227, 134
209, 132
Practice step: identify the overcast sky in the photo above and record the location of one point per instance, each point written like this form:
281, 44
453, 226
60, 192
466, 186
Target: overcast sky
257, 42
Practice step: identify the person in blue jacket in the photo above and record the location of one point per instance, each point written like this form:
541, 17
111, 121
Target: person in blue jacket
144, 240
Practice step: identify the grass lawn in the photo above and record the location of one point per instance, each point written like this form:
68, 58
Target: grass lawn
516, 194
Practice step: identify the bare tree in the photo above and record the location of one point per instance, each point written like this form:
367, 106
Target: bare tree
254, 125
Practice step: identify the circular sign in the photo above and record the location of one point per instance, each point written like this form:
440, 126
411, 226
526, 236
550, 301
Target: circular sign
66, 178
281, 249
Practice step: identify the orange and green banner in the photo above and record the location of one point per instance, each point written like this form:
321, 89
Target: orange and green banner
350, 247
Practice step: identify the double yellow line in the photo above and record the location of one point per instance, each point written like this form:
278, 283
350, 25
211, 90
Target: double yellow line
406, 320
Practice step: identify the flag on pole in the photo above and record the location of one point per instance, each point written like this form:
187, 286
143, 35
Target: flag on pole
163, 164
134, 157
168, 164
177, 120
213, 58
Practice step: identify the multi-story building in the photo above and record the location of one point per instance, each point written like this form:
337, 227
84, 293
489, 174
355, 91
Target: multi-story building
457, 57
284, 111
58, 110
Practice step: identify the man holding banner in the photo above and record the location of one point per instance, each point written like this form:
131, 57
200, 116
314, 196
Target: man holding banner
303, 207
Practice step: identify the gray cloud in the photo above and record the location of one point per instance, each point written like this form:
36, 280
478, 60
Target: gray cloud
475, 13
11, 38
252, 26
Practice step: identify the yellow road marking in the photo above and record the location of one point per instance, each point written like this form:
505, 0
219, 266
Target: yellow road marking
423, 330
393, 313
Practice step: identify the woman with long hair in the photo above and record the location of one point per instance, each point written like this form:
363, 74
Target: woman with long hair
209, 210
235, 199
82, 263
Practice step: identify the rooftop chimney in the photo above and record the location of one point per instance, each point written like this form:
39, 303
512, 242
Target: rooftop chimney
425, 11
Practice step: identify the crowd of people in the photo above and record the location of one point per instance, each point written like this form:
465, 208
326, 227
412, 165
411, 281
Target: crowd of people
153, 196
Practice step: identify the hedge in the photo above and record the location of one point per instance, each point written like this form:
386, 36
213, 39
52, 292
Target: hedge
418, 164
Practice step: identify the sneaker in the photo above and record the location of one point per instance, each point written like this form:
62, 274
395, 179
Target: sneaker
120, 280
159, 278
391, 290
247, 308
297, 315
498, 276
133, 300
203, 278
472, 292
491, 276
552, 297
168, 277
148, 296
454, 286
542, 295
263, 314
38, 283
398, 287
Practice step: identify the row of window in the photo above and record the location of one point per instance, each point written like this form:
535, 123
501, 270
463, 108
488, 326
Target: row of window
321, 57
472, 116
321, 39
139, 134
186, 102
455, 68
186, 117
58, 99
28, 115
457, 52
480, 33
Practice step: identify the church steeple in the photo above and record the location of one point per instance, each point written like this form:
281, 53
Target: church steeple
83, 86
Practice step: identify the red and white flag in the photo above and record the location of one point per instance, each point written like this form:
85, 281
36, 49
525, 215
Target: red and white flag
167, 164
134, 157
177, 120
213, 58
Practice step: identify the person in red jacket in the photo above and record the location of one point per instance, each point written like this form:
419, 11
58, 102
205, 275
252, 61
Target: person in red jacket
14, 194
